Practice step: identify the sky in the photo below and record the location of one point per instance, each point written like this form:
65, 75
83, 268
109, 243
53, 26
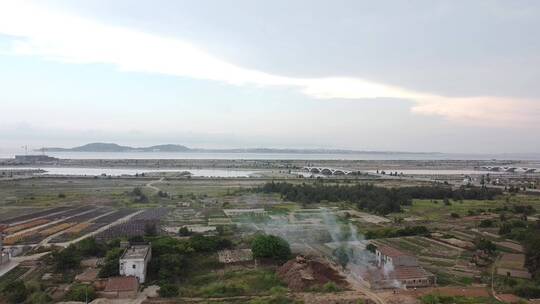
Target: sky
445, 76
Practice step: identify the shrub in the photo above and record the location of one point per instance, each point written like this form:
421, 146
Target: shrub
81, 292
168, 291
184, 231
15, 291
330, 287
271, 246
486, 223
111, 267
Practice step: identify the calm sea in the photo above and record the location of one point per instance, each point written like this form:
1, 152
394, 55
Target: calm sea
284, 156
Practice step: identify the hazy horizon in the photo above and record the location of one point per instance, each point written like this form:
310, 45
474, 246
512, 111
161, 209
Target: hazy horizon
420, 76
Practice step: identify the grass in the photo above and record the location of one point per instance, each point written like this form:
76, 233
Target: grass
12, 275
231, 283
445, 278
438, 299
428, 210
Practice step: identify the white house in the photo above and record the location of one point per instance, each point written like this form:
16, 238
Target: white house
134, 261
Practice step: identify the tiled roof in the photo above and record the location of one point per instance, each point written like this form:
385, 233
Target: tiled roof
122, 284
399, 273
408, 272
391, 251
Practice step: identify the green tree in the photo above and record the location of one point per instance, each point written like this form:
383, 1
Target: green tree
184, 231
486, 223
39, 297
81, 292
486, 245
271, 246
15, 291
111, 266
170, 266
168, 290
67, 259
90, 247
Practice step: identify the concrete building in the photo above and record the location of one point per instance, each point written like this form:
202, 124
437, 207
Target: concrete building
134, 261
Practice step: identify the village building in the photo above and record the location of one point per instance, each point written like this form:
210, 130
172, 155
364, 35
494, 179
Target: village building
134, 261
121, 287
4, 254
395, 269
242, 212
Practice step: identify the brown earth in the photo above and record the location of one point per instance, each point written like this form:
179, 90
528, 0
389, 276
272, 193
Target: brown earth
304, 273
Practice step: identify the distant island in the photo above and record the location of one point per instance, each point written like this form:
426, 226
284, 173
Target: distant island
112, 147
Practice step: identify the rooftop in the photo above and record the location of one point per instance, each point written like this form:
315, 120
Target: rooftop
136, 252
122, 284
399, 273
391, 251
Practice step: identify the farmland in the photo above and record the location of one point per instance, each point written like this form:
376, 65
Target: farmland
62, 211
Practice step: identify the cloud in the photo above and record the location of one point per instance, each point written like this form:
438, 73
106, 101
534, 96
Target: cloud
62, 36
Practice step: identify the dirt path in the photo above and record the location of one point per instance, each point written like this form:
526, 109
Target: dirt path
151, 184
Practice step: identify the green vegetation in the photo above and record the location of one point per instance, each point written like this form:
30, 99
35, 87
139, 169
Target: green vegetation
486, 246
15, 291
231, 283
272, 247
168, 291
396, 232
438, 299
81, 292
110, 266
67, 259
376, 199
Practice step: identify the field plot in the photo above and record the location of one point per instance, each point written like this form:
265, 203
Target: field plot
44, 192
512, 264
207, 187
85, 228
135, 226
33, 215
435, 210
72, 217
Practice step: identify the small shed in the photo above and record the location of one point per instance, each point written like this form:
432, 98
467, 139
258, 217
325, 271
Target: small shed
121, 287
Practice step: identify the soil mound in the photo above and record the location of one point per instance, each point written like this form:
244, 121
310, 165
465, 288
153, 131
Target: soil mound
304, 273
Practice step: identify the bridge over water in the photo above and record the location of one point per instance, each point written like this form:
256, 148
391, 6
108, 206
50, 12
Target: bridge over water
327, 171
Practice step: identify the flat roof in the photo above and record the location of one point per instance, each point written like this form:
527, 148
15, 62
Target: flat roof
136, 252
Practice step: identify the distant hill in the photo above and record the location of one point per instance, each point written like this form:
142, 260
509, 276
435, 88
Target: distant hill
112, 147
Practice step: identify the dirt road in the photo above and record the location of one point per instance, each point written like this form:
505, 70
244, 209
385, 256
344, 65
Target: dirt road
151, 184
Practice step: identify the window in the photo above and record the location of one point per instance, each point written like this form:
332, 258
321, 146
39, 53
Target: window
133, 266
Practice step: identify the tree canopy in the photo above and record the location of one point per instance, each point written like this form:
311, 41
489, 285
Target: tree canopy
271, 246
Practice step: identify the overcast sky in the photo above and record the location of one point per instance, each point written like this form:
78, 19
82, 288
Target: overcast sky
448, 76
